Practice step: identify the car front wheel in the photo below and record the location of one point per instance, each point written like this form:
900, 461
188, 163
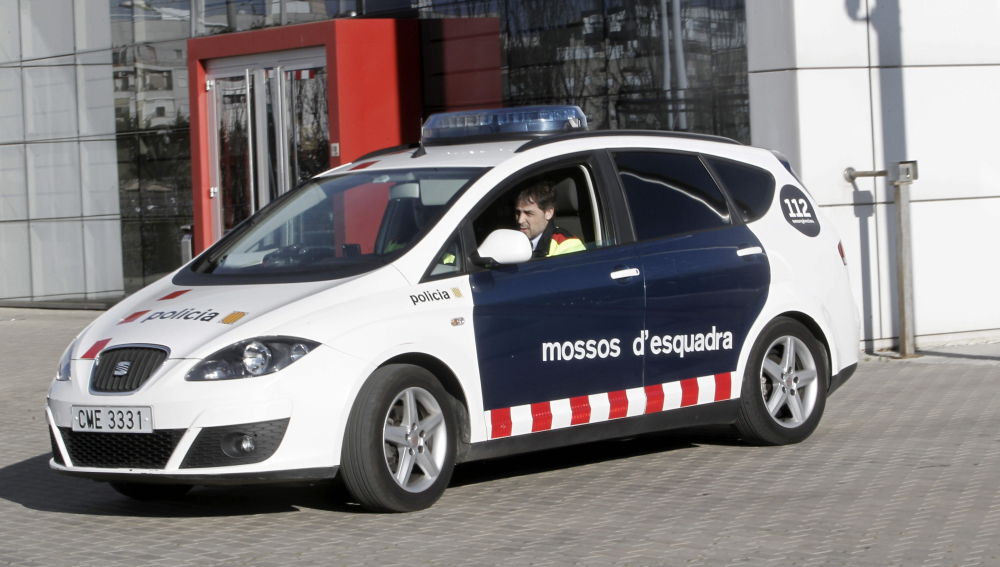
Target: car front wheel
399, 447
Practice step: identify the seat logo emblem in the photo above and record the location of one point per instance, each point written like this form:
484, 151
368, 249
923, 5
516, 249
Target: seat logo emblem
121, 369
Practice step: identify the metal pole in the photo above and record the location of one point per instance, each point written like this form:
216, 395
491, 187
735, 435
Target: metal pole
904, 270
903, 174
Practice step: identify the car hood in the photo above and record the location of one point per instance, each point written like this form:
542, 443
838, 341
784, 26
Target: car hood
193, 321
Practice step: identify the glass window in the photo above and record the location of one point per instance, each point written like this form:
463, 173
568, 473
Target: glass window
306, 105
165, 173
297, 11
10, 32
630, 63
158, 20
451, 261
95, 90
670, 194
338, 226
46, 28
15, 249
11, 113
160, 82
59, 243
93, 25
99, 177
122, 29
224, 16
50, 110
557, 210
751, 188
53, 180
14, 189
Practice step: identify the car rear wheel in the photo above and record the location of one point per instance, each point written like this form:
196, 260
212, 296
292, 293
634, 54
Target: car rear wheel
784, 385
399, 447
149, 492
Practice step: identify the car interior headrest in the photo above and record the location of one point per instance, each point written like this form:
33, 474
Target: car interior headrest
436, 192
566, 198
409, 190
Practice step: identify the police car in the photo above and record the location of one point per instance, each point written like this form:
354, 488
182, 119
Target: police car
394, 316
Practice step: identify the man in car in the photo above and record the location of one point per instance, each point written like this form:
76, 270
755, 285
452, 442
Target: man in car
536, 205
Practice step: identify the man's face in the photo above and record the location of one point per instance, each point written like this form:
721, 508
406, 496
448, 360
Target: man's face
530, 219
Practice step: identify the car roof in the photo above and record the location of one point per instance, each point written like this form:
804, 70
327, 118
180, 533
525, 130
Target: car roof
489, 153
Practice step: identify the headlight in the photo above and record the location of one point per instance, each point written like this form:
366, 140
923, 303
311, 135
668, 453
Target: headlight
63, 373
252, 357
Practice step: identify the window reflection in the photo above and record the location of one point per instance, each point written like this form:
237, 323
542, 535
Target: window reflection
310, 146
627, 63
154, 165
159, 20
122, 28
623, 61
234, 150
161, 85
223, 16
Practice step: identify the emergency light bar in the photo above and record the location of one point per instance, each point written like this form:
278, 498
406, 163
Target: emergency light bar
461, 126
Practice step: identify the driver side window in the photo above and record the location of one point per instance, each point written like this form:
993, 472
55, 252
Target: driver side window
556, 209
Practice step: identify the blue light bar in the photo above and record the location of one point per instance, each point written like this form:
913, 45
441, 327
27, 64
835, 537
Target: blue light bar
454, 127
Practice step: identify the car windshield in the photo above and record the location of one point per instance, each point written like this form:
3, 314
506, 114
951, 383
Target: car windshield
335, 226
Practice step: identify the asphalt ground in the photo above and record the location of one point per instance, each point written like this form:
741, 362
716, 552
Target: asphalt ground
903, 470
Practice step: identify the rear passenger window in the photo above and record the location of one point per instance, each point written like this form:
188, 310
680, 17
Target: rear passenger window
751, 188
670, 194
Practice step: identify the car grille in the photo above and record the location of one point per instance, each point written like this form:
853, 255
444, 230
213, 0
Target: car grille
121, 450
125, 369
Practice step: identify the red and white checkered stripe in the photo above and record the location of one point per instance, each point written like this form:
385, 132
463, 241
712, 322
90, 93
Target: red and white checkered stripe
595, 408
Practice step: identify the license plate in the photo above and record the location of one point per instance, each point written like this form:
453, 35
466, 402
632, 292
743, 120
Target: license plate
112, 419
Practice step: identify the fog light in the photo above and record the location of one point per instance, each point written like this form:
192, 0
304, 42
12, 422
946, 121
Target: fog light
239, 445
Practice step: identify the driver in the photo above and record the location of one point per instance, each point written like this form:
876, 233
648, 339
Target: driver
536, 205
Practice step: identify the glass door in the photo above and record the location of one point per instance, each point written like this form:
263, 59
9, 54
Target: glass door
270, 130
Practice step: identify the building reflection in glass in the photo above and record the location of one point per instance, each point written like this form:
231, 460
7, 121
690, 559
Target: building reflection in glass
653, 64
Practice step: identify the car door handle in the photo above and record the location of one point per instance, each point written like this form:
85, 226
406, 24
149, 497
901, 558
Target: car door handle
624, 273
749, 250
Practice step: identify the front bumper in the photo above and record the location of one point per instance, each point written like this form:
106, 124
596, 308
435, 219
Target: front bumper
225, 479
282, 427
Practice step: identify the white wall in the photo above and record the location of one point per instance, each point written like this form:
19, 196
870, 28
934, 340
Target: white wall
865, 84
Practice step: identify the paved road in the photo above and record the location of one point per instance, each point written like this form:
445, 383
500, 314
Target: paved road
902, 471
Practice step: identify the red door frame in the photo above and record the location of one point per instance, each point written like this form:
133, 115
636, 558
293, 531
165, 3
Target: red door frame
373, 90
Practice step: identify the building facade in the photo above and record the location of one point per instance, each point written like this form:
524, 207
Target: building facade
96, 177
94, 108
866, 84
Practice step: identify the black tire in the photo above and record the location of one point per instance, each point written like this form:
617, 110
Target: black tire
782, 399
393, 464
148, 492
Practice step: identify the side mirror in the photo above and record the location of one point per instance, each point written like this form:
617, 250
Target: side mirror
504, 246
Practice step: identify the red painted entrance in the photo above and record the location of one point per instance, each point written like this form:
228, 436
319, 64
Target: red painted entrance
372, 70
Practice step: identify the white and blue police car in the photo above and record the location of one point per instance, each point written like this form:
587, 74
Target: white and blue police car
393, 317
